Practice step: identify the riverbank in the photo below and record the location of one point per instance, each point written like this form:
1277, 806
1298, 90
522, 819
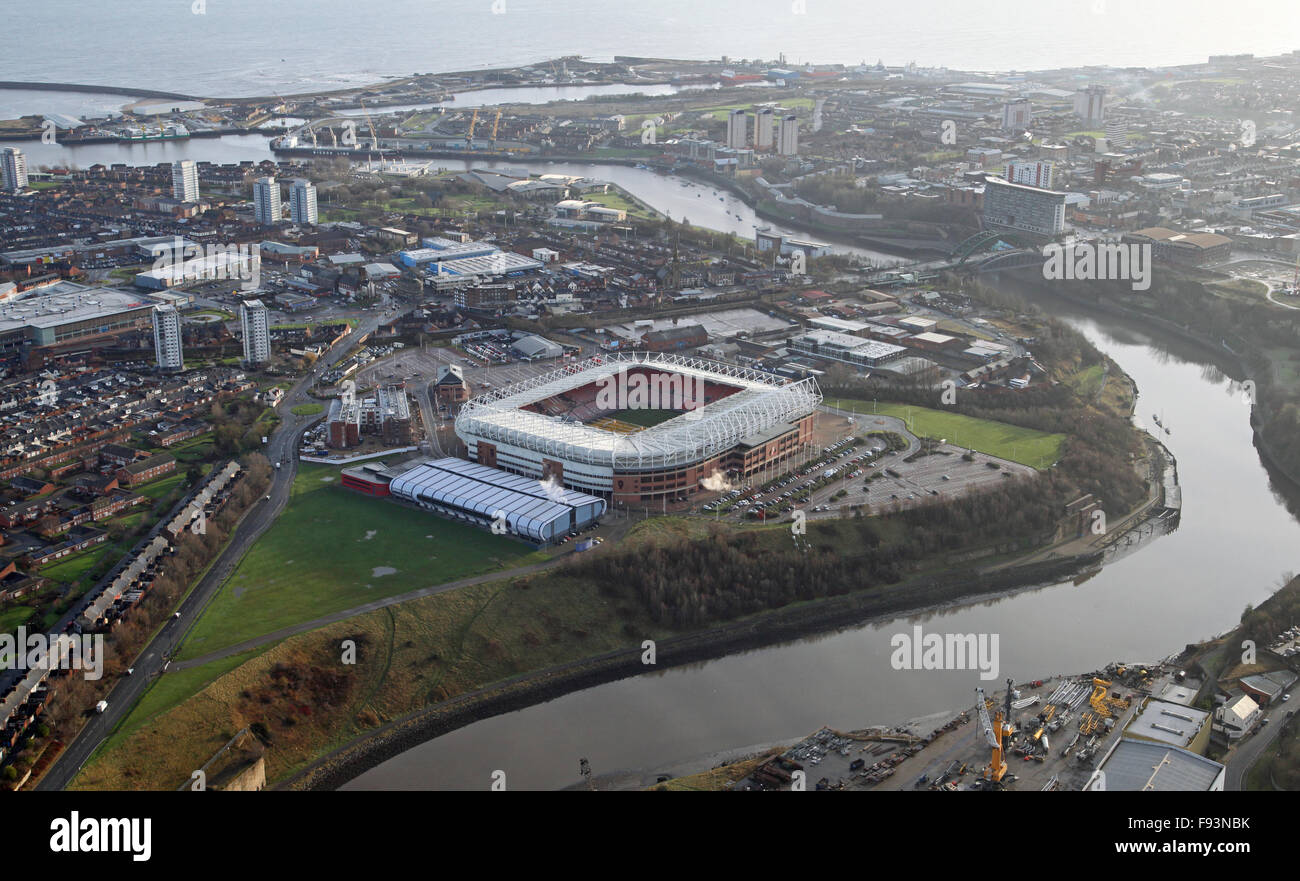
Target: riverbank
935, 594
1221, 352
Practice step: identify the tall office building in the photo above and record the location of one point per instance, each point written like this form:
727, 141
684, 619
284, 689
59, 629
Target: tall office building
1023, 208
764, 128
1031, 172
1090, 104
13, 169
167, 338
302, 201
266, 201
257, 332
737, 130
787, 136
1116, 133
1017, 115
185, 181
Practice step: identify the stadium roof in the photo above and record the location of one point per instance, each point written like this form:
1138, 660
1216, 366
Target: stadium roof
763, 401
531, 508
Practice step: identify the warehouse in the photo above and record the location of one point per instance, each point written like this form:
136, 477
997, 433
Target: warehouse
477, 494
67, 313
832, 346
1142, 766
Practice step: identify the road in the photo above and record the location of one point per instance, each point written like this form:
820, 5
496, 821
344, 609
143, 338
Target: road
152, 660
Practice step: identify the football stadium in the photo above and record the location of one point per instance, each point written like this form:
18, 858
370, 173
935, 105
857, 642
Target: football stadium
641, 427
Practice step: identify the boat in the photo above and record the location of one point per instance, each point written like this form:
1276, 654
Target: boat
174, 131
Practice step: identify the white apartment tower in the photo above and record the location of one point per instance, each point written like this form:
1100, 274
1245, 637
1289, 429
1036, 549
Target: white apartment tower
13, 169
764, 127
1030, 172
737, 130
257, 332
167, 338
185, 181
788, 136
302, 201
266, 201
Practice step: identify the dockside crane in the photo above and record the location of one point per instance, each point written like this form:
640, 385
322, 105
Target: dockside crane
374, 137
495, 124
997, 732
473, 121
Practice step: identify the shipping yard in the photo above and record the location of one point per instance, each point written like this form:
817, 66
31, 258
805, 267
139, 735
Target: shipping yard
1041, 735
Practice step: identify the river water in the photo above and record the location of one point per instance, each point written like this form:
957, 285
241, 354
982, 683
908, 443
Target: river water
1235, 540
679, 198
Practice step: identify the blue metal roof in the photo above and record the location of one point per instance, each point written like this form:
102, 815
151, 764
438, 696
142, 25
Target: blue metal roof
530, 508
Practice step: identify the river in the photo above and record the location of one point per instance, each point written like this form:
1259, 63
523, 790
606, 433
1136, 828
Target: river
680, 198
1235, 541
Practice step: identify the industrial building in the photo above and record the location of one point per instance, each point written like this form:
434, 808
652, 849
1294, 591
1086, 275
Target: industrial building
687, 336
473, 493
1174, 724
66, 313
469, 259
1144, 766
831, 346
1171, 246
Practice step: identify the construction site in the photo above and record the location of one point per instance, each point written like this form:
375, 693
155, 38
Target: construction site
1040, 735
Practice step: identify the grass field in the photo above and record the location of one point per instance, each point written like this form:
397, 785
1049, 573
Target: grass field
308, 409
332, 550
644, 418
1024, 445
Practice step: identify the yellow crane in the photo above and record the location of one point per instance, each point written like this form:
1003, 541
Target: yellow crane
473, 121
1098, 699
995, 733
374, 138
495, 123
